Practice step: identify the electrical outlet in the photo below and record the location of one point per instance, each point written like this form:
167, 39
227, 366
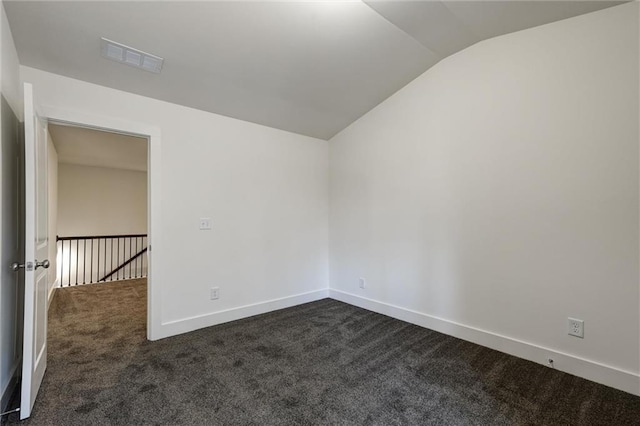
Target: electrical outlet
576, 327
215, 293
205, 223
362, 282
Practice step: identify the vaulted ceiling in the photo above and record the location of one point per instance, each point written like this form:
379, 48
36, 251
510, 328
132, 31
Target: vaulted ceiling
310, 67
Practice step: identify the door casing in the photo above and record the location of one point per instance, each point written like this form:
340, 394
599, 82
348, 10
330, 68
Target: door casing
152, 134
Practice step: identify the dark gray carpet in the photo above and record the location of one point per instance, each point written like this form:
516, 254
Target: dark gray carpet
319, 363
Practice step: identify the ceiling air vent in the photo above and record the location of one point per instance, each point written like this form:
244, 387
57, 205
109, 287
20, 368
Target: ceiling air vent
130, 56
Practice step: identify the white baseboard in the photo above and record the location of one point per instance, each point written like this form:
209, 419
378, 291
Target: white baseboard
52, 290
173, 328
607, 375
591, 370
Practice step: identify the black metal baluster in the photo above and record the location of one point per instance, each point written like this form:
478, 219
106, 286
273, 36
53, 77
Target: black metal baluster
137, 261
130, 255
124, 258
111, 278
62, 262
81, 280
77, 250
84, 261
70, 246
98, 262
114, 264
119, 262
91, 274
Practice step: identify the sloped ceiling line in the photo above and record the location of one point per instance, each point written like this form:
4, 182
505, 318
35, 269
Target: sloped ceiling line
430, 23
311, 68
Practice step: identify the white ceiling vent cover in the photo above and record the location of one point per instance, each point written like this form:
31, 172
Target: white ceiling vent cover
128, 55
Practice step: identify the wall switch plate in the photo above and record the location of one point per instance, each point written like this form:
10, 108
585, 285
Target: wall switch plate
215, 293
205, 223
362, 282
575, 327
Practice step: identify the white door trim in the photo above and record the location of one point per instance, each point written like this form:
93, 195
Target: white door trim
152, 133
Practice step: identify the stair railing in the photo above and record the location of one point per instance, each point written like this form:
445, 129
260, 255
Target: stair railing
98, 258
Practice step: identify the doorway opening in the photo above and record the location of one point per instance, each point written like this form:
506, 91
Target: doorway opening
97, 206
151, 135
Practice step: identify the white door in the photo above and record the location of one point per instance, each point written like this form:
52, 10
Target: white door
34, 356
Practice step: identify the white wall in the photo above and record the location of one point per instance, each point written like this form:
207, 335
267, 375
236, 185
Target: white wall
9, 69
101, 201
10, 314
264, 189
497, 194
52, 211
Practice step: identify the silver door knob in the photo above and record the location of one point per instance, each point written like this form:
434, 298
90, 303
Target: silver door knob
44, 264
15, 266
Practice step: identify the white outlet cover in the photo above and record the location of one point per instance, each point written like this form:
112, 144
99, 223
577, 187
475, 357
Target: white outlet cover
575, 327
215, 293
205, 223
362, 283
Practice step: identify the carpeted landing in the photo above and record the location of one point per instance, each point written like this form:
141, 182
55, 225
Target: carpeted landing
322, 363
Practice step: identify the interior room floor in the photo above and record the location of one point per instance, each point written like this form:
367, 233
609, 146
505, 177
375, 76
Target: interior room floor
324, 362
